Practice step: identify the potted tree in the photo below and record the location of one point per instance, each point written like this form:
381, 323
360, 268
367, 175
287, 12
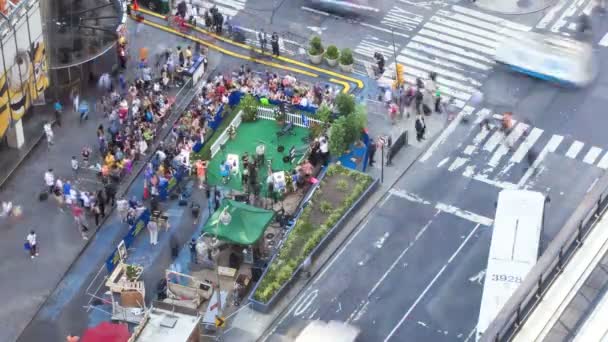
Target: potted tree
346, 60
331, 55
315, 51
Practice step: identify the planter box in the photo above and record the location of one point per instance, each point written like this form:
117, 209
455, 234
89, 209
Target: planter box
315, 59
265, 307
346, 68
331, 62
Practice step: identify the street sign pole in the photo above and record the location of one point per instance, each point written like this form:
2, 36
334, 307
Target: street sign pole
382, 165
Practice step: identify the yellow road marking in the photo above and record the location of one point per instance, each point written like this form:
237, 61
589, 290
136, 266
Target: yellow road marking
358, 82
345, 84
225, 51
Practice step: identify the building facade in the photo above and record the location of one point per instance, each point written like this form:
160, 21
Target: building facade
23, 68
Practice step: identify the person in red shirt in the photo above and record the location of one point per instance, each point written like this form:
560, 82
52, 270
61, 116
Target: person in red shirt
78, 214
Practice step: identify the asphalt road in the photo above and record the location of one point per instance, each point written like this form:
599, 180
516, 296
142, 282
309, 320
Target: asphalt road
414, 271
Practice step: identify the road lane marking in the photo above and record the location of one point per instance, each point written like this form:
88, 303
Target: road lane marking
457, 163
544, 22
306, 303
428, 287
491, 144
464, 214
575, 149
390, 269
447, 208
506, 146
466, 111
382, 29
603, 163
550, 147
493, 19
592, 155
328, 266
315, 11
523, 149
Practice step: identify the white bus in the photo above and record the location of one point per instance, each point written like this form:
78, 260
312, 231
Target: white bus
549, 57
513, 251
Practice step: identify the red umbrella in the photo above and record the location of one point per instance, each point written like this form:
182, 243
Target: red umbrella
107, 332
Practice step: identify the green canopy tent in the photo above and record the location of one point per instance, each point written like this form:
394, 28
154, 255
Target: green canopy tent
238, 222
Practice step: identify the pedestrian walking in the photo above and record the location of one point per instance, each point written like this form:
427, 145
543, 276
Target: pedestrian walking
180, 56
420, 126
201, 173
76, 102
96, 213
306, 267
78, 214
48, 132
101, 202
372, 152
58, 109
274, 41
193, 252
153, 229
262, 39
49, 180
75, 166
83, 110
188, 55
110, 190
32, 244
122, 206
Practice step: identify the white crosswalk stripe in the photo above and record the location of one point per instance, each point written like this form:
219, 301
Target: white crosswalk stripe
592, 155
488, 155
564, 16
574, 149
457, 43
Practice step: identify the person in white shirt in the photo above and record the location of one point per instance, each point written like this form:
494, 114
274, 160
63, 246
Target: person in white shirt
33, 244
75, 167
153, 229
86, 200
122, 206
324, 148
48, 131
49, 180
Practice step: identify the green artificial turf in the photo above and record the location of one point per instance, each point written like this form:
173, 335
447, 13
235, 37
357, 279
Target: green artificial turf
248, 136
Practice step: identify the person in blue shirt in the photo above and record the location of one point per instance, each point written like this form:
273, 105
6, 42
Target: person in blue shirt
58, 109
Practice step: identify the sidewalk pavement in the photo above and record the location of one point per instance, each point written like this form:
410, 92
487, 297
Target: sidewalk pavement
30, 282
249, 325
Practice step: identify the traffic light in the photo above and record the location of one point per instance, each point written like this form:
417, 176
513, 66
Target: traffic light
400, 74
399, 81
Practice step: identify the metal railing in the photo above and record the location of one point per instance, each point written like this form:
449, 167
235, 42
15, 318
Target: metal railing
559, 252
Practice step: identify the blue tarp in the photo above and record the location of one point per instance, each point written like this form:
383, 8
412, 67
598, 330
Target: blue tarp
141, 223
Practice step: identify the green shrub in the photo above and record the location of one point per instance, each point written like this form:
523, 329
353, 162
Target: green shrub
345, 104
338, 136
316, 47
346, 57
332, 52
305, 237
324, 113
342, 185
249, 105
325, 207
